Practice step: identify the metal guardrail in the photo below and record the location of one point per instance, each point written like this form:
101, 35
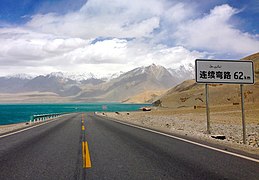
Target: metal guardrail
44, 117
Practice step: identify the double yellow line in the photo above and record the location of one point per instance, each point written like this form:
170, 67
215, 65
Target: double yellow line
86, 155
85, 150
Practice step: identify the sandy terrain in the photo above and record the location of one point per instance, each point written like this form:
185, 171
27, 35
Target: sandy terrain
145, 97
12, 127
32, 97
225, 120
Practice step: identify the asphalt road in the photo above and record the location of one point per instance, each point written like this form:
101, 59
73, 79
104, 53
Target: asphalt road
116, 151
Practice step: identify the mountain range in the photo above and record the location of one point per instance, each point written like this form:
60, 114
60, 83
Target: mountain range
87, 87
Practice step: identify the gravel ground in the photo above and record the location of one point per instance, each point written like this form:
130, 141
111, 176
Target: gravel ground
12, 127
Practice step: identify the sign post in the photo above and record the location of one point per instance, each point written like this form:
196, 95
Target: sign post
207, 108
224, 72
243, 113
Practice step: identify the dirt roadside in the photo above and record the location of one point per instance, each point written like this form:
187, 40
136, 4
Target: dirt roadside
225, 120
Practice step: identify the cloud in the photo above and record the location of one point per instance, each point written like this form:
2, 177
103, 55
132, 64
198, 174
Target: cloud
215, 33
107, 51
98, 18
24, 47
101, 57
178, 13
105, 36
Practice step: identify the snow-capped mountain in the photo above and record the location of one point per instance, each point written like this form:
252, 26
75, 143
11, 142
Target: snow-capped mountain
156, 73
73, 76
182, 73
20, 76
111, 76
87, 87
131, 83
14, 83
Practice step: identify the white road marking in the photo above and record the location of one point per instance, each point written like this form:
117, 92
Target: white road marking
189, 141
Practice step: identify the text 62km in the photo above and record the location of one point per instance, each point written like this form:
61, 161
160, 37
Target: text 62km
223, 75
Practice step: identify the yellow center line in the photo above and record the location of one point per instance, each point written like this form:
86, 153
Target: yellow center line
83, 153
85, 149
83, 118
86, 155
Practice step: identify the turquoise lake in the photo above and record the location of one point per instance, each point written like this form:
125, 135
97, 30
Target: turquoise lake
17, 113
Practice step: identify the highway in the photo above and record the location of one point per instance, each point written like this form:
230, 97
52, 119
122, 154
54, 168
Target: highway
87, 146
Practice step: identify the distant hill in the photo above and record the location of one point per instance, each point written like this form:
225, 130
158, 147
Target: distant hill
129, 84
255, 59
87, 87
183, 73
12, 84
190, 94
142, 84
145, 97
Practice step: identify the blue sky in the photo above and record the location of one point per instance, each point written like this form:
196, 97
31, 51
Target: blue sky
102, 36
11, 14
15, 11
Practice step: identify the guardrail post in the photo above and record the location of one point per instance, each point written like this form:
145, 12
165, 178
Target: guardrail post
43, 117
31, 119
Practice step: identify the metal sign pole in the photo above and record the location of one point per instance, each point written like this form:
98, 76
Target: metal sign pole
207, 108
243, 113
209, 71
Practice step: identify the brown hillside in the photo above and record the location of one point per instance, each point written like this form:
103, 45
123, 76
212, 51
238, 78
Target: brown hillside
255, 59
145, 97
190, 94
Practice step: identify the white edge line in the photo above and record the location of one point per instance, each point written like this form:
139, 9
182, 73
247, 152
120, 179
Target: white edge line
25, 129
189, 141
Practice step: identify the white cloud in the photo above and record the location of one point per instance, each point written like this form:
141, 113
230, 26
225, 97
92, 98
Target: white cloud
106, 36
24, 47
101, 57
141, 55
107, 51
214, 33
178, 13
99, 18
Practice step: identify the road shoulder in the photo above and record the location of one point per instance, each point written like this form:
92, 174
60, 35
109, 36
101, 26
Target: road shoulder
205, 139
